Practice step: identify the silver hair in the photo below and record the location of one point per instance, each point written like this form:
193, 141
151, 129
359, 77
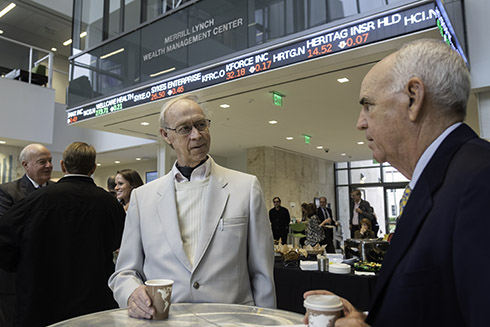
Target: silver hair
170, 103
443, 71
29, 151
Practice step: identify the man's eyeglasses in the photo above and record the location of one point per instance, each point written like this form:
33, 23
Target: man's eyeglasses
186, 129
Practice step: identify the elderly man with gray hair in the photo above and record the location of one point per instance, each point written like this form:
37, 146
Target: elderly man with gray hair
202, 225
436, 270
36, 161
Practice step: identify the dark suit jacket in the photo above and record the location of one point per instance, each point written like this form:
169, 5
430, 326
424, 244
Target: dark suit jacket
436, 270
367, 212
10, 194
60, 240
319, 213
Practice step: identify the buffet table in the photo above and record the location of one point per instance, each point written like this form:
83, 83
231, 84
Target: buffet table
292, 282
192, 314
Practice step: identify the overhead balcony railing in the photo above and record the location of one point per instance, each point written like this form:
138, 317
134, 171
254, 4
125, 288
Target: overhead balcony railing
35, 71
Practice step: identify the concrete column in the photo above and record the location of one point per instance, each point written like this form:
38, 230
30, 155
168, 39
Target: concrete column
164, 162
484, 113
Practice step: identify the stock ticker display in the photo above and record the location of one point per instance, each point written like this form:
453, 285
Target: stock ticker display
359, 33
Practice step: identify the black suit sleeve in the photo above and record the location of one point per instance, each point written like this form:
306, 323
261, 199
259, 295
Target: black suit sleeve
6, 201
12, 225
367, 212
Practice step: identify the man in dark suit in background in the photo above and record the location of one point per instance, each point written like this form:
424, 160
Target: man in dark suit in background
36, 161
435, 272
360, 209
328, 222
60, 241
279, 218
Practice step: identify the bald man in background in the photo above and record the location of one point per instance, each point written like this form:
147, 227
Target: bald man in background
36, 161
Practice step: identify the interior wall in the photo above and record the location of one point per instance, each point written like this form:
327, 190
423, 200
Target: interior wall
27, 111
10, 167
292, 177
102, 173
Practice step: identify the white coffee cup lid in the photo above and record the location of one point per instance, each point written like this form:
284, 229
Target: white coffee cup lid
159, 282
329, 303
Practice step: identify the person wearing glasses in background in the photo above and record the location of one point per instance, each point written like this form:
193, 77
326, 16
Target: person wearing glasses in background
202, 225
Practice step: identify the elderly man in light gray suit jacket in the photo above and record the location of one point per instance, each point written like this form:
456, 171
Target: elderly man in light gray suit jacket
202, 225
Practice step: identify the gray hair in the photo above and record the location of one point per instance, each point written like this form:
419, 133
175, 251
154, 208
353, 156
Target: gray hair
29, 151
170, 103
443, 71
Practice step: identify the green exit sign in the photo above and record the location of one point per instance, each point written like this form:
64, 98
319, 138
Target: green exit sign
277, 99
307, 138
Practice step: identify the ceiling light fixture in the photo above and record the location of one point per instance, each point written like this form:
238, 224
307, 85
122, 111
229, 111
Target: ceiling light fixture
7, 9
145, 123
224, 105
138, 159
54, 49
162, 72
272, 122
67, 42
289, 138
3, 142
117, 161
342, 154
112, 53
83, 34
1, 31
360, 142
342, 80
98, 165
319, 147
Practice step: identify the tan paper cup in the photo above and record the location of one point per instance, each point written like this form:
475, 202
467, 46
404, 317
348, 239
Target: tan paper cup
160, 292
323, 310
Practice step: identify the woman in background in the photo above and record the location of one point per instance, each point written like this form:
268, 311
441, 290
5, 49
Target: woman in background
314, 234
303, 211
126, 181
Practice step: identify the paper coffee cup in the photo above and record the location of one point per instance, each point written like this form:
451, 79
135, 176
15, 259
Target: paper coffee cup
323, 310
160, 292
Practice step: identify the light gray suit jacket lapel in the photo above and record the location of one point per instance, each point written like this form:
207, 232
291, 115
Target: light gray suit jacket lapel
215, 204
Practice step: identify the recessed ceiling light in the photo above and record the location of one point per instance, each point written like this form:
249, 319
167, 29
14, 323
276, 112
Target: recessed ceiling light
117, 161
83, 34
7, 9
289, 138
272, 122
98, 165
224, 105
54, 49
360, 142
138, 159
3, 142
342, 80
67, 42
1, 31
144, 123
319, 147
342, 154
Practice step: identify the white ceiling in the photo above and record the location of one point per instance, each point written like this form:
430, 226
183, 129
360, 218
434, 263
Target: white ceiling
315, 103
35, 24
